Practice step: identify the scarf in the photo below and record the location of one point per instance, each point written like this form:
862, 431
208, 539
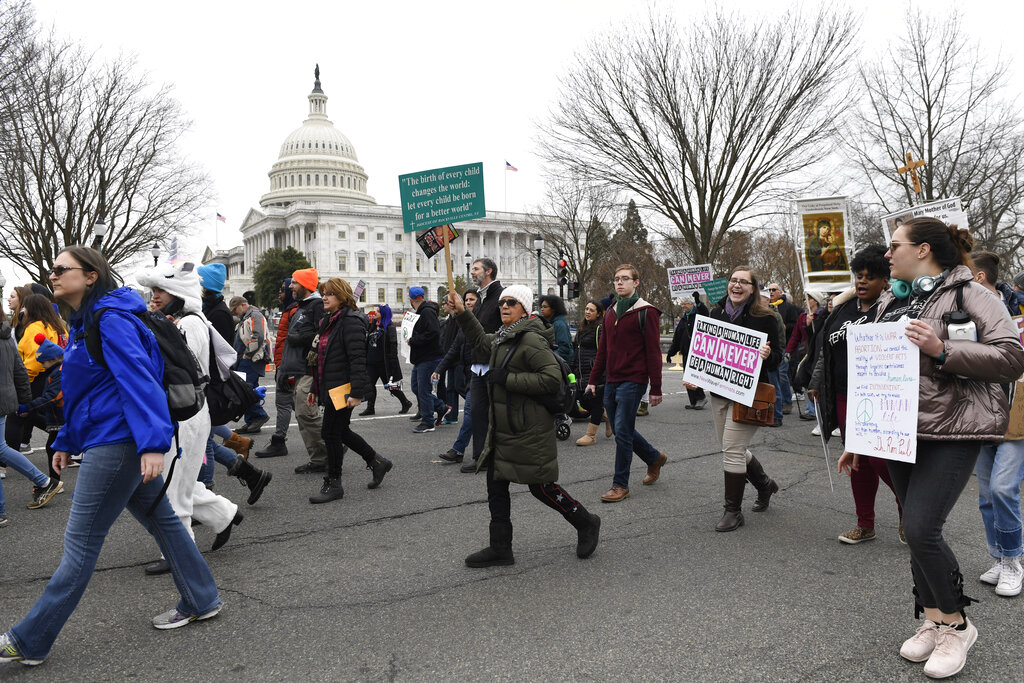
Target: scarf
734, 312
623, 305
504, 332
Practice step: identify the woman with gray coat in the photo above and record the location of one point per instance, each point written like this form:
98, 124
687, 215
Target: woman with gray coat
520, 445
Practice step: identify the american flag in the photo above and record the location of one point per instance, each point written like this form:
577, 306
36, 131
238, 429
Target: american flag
225, 220
510, 167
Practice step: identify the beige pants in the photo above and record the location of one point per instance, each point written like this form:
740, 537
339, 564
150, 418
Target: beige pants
310, 422
735, 437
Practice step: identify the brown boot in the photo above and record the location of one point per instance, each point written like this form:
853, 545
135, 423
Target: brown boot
654, 471
608, 433
733, 518
764, 484
588, 439
239, 444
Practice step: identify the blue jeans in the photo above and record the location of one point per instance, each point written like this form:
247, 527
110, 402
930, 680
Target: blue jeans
783, 390
19, 463
252, 378
108, 482
465, 429
621, 400
1000, 470
223, 431
421, 386
215, 453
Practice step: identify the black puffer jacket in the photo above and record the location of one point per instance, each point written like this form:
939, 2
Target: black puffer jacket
302, 328
216, 311
486, 311
382, 350
585, 351
426, 335
459, 356
344, 359
766, 324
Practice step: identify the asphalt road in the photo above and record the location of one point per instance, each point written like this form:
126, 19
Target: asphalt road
373, 587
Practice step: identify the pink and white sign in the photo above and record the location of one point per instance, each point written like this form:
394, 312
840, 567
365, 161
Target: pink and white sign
725, 359
683, 282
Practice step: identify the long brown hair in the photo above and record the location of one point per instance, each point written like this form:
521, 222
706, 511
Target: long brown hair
40, 309
756, 307
107, 280
23, 293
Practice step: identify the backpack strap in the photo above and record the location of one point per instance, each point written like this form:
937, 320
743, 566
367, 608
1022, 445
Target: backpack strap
93, 343
170, 473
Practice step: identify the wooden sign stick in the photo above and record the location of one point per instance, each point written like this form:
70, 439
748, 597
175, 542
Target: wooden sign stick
448, 258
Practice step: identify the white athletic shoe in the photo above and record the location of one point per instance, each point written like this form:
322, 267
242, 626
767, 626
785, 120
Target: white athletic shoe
991, 577
816, 431
1010, 577
175, 619
919, 646
950, 653
836, 432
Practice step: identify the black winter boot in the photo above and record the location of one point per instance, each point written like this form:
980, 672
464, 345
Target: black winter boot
275, 449
733, 517
499, 552
380, 466
368, 410
331, 490
588, 529
406, 403
255, 479
764, 484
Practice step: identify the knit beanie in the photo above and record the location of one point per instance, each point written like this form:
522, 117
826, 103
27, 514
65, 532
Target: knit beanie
520, 293
47, 349
213, 276
308, 278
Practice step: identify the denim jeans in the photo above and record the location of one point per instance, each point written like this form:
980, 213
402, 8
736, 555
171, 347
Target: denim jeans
108, 482
928, 490
252, 378
20, 464
421, 386
215, 453
223, 431
1000, 470
465, 429
621, 400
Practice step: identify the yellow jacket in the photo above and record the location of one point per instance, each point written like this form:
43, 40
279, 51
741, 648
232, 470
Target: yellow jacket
27, 347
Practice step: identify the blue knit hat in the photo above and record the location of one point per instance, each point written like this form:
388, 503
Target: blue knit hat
416, 293
213, 276
47, 349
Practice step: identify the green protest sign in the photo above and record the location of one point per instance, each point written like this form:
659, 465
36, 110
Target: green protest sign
715, 289
442, 195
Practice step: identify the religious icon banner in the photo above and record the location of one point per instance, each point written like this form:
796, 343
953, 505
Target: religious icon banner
949, 211
824, 243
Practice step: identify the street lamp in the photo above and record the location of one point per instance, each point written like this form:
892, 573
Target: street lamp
155, 253
468, 258
538, 244
99, 230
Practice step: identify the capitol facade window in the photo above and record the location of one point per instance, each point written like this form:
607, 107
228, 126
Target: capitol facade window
361, 262
381, 295
380, 264
398, 264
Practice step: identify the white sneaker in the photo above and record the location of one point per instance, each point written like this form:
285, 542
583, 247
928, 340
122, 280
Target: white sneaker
919, 646
816, 431
175, 619
3, 472
950, 653
991, 577
836, 432
1010, 577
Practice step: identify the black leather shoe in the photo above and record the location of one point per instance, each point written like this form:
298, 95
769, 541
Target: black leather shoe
222, 537
310, 468
158, 567
468, 467
451, 455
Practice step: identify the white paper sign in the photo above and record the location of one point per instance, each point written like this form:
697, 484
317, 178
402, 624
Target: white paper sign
949, 211
884, 372
725, 359
408, 322
683, 282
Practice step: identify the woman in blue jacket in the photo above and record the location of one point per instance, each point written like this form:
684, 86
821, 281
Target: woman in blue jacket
117, 417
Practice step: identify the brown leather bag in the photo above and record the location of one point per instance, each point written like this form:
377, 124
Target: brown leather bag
762, 412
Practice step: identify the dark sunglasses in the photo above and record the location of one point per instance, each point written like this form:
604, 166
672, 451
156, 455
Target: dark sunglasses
507, 302
57, 271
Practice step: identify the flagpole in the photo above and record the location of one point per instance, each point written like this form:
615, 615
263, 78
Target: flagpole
506, 186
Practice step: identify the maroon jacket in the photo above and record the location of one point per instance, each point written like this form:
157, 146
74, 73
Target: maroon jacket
619, 356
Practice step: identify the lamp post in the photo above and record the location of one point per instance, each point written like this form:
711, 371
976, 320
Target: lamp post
538, 244
155, 253
468, 258
99, 230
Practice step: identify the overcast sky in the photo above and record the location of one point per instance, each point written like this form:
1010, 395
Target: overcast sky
414, 85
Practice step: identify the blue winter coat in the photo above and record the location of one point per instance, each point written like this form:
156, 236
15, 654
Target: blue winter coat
124, 401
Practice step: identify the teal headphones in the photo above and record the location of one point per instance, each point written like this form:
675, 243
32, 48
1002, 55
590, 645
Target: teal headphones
924, 284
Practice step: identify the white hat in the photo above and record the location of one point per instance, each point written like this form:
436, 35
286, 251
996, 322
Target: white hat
520, 293
179, 280
817, 295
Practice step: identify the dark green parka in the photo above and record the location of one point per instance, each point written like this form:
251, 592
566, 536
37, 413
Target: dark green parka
521, 432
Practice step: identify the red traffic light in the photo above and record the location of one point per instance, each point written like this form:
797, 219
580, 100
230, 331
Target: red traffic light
562, 263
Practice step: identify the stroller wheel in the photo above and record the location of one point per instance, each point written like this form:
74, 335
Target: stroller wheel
562, 431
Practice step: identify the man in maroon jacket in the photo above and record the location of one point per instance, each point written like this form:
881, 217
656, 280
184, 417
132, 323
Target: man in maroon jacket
628, 357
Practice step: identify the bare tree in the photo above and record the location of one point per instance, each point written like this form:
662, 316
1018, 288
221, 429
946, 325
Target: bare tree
16, 47
94, 140
709, 127
935, 95
579, 231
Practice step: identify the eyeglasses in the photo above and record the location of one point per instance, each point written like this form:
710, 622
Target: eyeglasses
774, 289
894, 244
737, 281
507, 302
57, 271
623, 279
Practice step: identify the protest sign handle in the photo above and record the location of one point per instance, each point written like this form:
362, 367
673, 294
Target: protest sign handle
448, 259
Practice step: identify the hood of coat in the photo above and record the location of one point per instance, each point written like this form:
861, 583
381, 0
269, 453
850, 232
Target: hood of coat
122, 299
5, 331
180, 281
428, 306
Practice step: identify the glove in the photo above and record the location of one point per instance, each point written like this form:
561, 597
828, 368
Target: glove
262, 393
498, 376
668, 358
22, 410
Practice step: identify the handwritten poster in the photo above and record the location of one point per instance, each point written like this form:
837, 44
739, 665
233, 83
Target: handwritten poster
408, 322
725, 359
683, 282
881, 404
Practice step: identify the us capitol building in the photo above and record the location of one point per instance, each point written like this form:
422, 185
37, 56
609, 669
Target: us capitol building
318, 204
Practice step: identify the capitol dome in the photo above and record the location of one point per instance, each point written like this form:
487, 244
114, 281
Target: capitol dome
317, 162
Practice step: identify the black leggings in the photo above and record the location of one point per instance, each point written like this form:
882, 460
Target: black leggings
928, 490
337, 434
593, 403
554, 496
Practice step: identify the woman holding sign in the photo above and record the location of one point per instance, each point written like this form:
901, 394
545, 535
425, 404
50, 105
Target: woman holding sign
340, 382
968, 347
743, 306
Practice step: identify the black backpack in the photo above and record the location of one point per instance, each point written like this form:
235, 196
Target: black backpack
183, 380
227, 399
562, 401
